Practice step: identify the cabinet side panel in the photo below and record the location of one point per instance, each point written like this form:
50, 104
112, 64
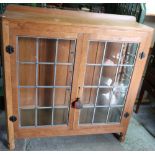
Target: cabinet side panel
7, 83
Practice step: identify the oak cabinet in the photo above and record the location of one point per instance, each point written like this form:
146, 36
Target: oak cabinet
70, 73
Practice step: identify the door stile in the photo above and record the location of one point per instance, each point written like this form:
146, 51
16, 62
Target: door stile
79, 76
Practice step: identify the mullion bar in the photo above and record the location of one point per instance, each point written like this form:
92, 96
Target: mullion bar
105, 46
37, 70
115, 80
45, 63
114, 65
55, 63
68, 87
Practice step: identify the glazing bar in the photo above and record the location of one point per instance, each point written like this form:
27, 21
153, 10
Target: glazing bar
111, 65
44, 63
56, 53
120, 56
97, 86
99, 81
101, 106
37, 70
68, 87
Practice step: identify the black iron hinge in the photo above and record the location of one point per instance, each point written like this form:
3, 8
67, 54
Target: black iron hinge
9, 49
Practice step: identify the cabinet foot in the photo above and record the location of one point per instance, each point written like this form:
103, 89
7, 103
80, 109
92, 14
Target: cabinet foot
11, 146
120, 137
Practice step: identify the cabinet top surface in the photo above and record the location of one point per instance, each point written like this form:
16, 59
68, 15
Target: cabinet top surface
75, 18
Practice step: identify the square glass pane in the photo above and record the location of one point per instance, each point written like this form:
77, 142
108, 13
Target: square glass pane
129, 53
45, 97
62, 96
86, 115
44, 116
108, 76
27, 74
95, 52
123, 76
104, 96
92, 75
64, 75
46, 75
27, 117
66, 51
47, 50
27, 97
115, 114
89, 96
27, 49
112, 54
60, 116
100, 115
118, 95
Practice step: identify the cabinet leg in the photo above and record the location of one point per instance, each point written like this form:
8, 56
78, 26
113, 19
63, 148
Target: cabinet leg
11, 145
120, 137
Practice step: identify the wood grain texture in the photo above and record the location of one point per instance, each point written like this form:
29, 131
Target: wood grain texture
8, 84
48, 25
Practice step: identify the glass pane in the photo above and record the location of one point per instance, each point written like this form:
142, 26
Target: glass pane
60, 116
44, 116
27, 49
47, 49
104, 96
100, 115
27, 74
46, 75
27, 97
123, 76
129, 53
118, 95
45, 97
108, 76
92, 75
27, 117
62, 96
95, 52
113, 50
64, 75
89, 96
115, 114
86, 115
66, 51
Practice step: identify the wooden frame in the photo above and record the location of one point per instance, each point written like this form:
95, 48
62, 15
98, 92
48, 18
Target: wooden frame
97, 28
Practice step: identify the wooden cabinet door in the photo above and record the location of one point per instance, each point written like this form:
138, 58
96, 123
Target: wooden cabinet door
44, 71
110, 79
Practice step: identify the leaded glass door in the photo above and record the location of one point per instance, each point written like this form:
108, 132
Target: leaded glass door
45, 68
108, 70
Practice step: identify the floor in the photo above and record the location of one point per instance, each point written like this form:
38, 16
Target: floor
138, 138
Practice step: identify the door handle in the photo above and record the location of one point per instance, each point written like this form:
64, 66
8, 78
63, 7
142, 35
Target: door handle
77, 104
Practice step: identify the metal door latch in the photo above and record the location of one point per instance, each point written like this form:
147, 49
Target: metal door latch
12, 118
77, 104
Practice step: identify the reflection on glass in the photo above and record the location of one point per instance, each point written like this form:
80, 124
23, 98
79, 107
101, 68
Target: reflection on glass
104, 95
89, 96
115, 114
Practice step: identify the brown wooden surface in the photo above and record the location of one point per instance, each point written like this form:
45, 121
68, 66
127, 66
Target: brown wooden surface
63, 17
64, 25
8, 84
